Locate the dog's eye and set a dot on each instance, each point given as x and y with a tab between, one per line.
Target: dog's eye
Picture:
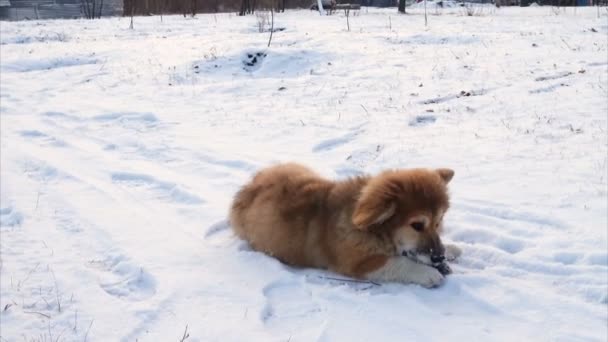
418	226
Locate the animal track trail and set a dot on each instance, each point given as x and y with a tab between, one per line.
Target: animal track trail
220	161
117	274
502	242
128	120
155	188
41	138
507	215
333	143
499	237
501	229
121	278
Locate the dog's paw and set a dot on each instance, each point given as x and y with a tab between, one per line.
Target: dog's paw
443	268
452	252
426	276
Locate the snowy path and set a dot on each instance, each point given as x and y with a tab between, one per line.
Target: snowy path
121	150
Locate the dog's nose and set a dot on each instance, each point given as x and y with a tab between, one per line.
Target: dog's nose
437	258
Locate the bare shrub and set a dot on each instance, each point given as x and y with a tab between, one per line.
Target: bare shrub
472	10
262	20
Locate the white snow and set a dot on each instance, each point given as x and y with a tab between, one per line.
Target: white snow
121	150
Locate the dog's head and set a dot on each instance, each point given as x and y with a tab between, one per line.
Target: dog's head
408	206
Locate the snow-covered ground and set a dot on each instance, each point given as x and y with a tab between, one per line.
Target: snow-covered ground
121	150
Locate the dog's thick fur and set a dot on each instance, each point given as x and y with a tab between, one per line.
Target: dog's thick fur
360	227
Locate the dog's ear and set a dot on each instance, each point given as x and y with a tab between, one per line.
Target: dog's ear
445	174
372	210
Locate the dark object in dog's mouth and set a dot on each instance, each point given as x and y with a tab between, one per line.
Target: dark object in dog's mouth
442	267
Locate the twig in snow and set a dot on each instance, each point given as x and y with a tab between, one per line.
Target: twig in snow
48	305
453	54
38	313
57	296
20	283
319	92
75	321
365	109
271	25
47	247
563	40
50	335
37	200
87	333
186	334
351	280
60	334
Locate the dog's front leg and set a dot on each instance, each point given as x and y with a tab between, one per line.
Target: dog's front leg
403	270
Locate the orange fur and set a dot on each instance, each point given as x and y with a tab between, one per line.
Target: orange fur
353	227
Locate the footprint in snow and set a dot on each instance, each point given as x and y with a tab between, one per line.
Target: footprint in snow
287	303
9	217
44	139
120	278
422	120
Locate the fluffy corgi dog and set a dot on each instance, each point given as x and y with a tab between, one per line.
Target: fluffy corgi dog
381	228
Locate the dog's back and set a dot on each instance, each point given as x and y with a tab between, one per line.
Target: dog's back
281	212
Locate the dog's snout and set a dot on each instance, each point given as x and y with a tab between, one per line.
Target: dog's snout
437	258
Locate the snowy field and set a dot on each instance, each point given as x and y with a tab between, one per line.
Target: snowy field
121	150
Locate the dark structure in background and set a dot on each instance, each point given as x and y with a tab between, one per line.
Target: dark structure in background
378	3
188	7
524	3
48	9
